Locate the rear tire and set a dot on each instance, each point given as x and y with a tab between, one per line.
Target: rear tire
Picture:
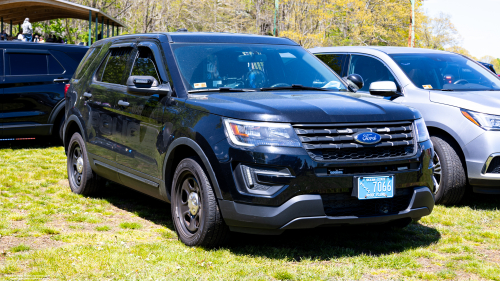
449	175
195	212
82	180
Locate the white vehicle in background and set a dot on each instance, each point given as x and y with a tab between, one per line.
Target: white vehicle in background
458	98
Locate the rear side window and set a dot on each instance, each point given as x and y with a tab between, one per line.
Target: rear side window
113	66
334	61
28	64
86	61
54	66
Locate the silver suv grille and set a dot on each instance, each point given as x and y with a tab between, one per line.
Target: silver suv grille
335	142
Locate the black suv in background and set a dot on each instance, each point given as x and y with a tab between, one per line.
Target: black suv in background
243	133
33	79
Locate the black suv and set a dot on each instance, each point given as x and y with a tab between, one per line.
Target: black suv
242	133
33	80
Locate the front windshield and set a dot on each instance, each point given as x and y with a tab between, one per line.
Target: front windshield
447	72
252	67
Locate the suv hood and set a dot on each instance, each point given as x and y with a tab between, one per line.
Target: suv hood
301	107
480	101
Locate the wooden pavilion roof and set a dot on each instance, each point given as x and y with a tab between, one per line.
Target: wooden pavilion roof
41	10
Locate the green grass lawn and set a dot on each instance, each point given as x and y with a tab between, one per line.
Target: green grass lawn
48	232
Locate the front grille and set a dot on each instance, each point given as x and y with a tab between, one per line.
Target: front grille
343	204
335	142
494	167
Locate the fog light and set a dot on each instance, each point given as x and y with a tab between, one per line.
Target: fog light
262	180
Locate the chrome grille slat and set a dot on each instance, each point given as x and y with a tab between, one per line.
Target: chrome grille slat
335	142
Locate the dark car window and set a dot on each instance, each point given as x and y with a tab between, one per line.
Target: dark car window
28	64
334	61
54	66
113	66
144	64
371	69
446	71
251	66
86	61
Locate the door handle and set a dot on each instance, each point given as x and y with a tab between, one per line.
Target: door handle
123	103
57	80
87	95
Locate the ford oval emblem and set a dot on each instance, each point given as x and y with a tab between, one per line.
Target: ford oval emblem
367	138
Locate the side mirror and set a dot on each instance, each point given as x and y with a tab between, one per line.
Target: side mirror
146	86
355	81
383	88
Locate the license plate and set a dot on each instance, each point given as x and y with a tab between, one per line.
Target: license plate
375	187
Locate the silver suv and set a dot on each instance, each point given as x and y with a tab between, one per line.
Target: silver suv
458	98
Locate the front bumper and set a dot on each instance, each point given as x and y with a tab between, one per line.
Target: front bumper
307	211
477	153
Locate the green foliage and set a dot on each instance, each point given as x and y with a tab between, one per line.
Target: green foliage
19	248
130	225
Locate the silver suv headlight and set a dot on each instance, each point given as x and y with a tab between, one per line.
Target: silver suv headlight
245	133
421	130
485	121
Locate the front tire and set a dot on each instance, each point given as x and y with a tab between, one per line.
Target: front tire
82	180
195	212
449	173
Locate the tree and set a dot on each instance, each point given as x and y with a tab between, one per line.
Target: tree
438	33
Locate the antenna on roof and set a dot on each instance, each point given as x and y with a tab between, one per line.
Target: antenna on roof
182	30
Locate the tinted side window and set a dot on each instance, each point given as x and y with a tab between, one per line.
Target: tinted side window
113	67
334	61
144	64
86	61
54	66
371	69
28	64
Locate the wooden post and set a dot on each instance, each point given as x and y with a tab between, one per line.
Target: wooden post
90	28
2	26
113	29
107	36
102	27
11	28
96	26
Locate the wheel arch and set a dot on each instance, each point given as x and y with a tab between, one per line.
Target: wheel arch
56	114
71	126
179	149
439	132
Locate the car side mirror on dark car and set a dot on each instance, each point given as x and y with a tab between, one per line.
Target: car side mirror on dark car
355	81
146	86
383	88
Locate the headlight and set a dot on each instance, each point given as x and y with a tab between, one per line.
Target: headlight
249	134
421	130
485	121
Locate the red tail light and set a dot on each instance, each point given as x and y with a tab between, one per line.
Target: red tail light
66	87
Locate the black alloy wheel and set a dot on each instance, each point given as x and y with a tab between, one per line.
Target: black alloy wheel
189	204
82	180
76	165
195	212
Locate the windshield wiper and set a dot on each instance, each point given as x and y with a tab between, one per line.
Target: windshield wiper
221	89
447	90
294	87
